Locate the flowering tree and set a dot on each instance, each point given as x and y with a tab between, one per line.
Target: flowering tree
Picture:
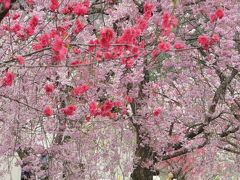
83	83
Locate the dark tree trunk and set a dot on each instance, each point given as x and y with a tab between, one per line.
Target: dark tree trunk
143	151
143	154
142	174
180	175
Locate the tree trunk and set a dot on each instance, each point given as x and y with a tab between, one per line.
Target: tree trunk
142	174
143	154
143	151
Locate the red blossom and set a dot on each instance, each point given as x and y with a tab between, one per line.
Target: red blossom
88	118
48	111
6	3
219	13
128	62
20	59
142	24
68	9
203	40
69	110
54	5
168	22
6	28
166	25
92	44
128	99
164	46
113	116
44	39
78	27
155	53
178	45
15	16
107	106
33	22
29	30
157	112
8	79
117	104
57	44
107	34
93	109
147	9
79	90
49	88
214	39
16	27
76	62
30	2
37	46
129	36
165	20
174	21
108	56
80	9
59	49
76	50
213	18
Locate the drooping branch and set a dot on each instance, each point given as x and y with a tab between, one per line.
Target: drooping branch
229	131
20	102
178	147
229	150
182	151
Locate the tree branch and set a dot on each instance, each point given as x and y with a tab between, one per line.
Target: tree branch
5	11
